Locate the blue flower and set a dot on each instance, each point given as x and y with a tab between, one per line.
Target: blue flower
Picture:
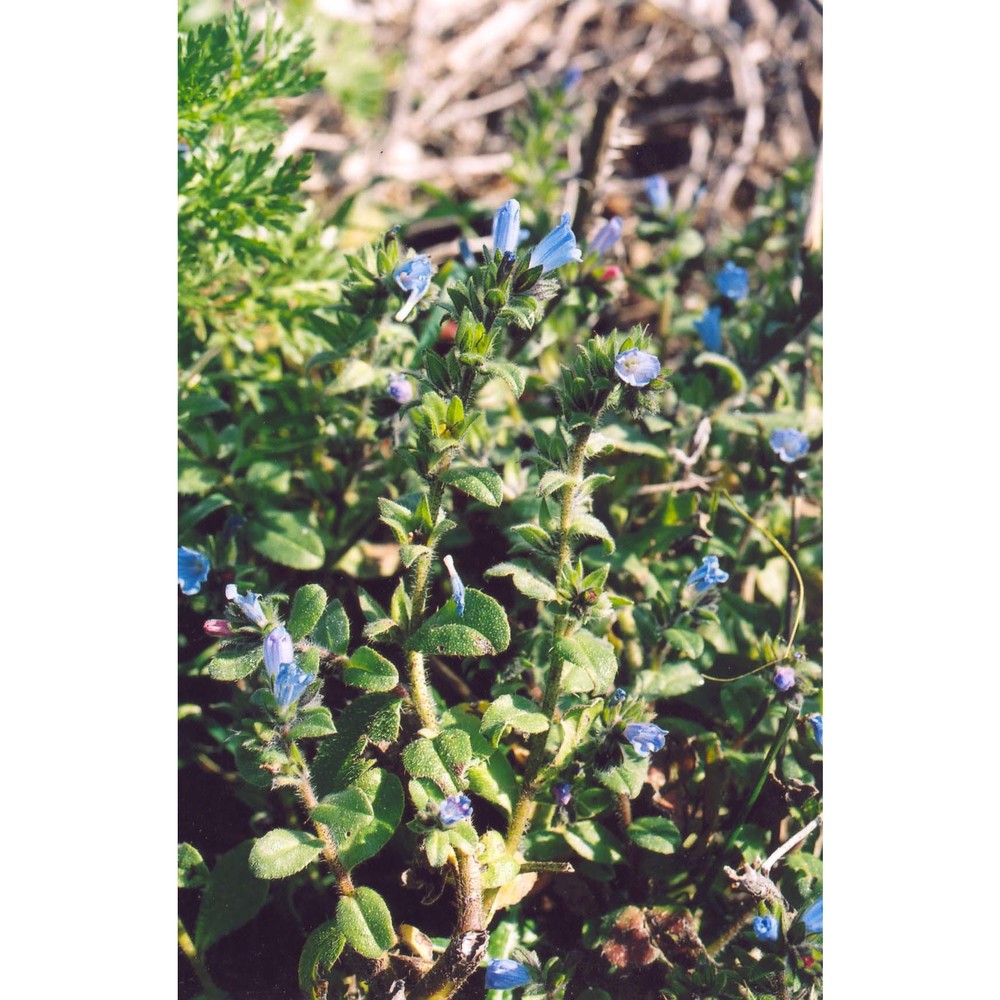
766	928
249	605
558	248
733	281
465	252
607	236
789	444
709	328
816	721
506	974
192	570
507	226
707	575
457	587
290	684
812	918
784	678
658	192
570	78
618	697
278	649
413	276
562	793
637	367
401	389
645	737
454	809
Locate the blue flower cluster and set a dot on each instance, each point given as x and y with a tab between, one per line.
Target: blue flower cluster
645	737
414	277
192	570
454	809
636	367
789	444
506	974
707	575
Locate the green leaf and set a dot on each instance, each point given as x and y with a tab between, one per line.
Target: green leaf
450	640
595	659
593	842
234	664
525	579
552	481
355	374
233	897
510	373
686	641
443	759
313	722
280	853
339	762
670	680
478	482
192	872
366	923
438	848
591	527
626	778
307	609
485	615
371	671
385	792
286	539
333	631
512	711
344	813
321	950
655	833
201	510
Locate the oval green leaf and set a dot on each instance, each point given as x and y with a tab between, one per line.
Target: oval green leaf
280	853
365	921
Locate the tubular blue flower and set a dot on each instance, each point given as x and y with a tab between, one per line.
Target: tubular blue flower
607	236
707	575
457	587
766	928
506	974
278	649
465	252
784	678
645	737
620	694
454	809
400	389
816	721
570	78
637	367
658	192
709	328
789	444
413	276
562	793
733	281
249	605
290	684
507	226
558	248
192	570
812	918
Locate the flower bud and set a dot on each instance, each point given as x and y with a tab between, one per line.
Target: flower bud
454	809
784	678
278	649
218	627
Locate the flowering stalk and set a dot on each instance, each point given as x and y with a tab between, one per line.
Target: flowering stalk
529	788
211	991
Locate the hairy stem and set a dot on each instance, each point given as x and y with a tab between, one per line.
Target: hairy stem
308	798
521	816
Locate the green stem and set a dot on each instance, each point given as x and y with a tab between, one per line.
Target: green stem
307	796
212	992
521	816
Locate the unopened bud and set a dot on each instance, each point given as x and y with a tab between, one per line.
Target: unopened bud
218	627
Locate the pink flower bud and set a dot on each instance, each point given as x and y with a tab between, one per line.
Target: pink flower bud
217	626
608	273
